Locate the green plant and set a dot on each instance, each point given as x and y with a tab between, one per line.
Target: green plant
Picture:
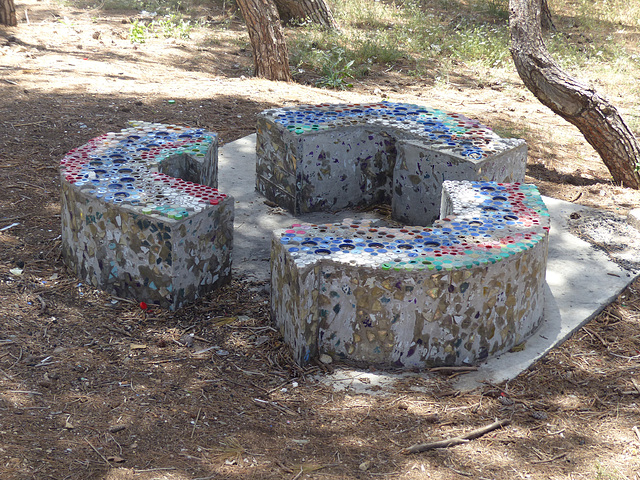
138	32
173	26
335	69
169	26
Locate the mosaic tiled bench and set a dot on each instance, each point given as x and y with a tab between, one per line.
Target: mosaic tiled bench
142	217
467	288
328	157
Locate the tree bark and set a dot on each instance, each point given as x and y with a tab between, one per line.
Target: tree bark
317	11
8	13
270	54
596	118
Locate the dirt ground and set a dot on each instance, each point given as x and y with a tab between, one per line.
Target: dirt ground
93	387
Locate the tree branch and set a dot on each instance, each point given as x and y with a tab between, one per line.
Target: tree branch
451	442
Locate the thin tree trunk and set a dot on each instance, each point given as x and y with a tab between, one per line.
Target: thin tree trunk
579	104
317	11
8	13
545	18
270	54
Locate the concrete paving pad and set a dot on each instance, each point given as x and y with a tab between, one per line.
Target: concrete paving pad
581	280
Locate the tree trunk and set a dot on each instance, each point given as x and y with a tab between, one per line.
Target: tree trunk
270	54
579	104
8	13
316	11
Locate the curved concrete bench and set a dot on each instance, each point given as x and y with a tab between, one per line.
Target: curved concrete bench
329	157
141	215
469	287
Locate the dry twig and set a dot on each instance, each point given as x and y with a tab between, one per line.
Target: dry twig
595	334
96	450
195	424
450	442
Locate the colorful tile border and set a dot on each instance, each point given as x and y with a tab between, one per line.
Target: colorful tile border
470	286
142	217
467	137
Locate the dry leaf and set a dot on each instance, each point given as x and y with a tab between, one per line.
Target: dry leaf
308	467
220	321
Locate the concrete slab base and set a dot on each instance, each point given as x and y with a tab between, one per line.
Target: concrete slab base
581	280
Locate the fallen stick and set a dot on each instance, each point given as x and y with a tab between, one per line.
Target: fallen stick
96	450
451	442
28	124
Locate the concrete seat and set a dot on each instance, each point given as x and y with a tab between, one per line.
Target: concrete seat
469	287
330	157
142	217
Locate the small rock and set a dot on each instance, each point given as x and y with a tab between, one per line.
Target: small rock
303	441
326	359
539	415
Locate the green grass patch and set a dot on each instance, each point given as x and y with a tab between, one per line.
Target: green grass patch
438	36
427	34
168	26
